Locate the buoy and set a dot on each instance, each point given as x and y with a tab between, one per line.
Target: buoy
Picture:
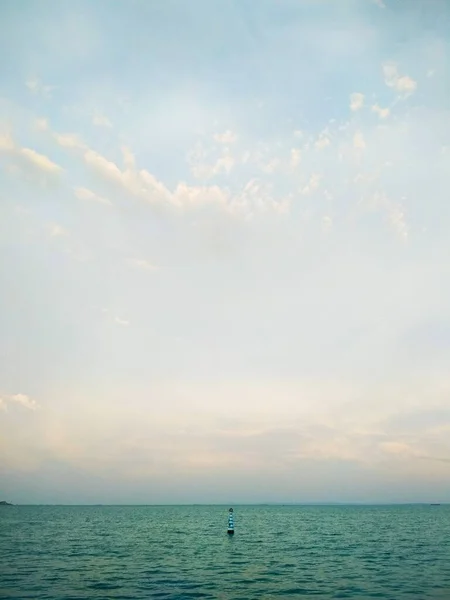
230	530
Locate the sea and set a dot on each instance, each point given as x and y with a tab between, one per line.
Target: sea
183	552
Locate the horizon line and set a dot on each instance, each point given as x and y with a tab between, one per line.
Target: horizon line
348	503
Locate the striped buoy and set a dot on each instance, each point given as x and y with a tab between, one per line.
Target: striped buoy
230	522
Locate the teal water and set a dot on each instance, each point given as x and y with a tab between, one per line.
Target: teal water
137	552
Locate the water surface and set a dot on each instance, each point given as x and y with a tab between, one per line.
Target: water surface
182	552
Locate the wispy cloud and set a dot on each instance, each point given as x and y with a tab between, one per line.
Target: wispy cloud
228	137
37	87
122	322
69	140
358	140
39	160
84	194
100	120
27	155
143	264
41	124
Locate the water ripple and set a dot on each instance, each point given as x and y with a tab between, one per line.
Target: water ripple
136	553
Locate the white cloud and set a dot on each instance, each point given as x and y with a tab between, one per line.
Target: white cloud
37	87
122	322
39	160
228	137
312	185
379	3
323	141
143	264
272	166
21	399
398	221
41	124
396	448
356	101
25	401
142	184
204	166
129	160
189	197
104	166
56	230
404	84
69	140
83	193
296	157
327	224
394	212
383	113
6	143
42	162
101	121
358	140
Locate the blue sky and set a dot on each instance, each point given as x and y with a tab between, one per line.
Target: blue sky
224	253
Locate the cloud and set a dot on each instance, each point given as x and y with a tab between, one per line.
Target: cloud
383	113
358	140
396	448
205	166
323	141
356	101
69	140
398	221
434	458
272	166
27	157
143	264
404	84
313	184
42	124
39	160
296	157
6	143
105	167
395	214
37	87
228	137
56	230
142	184
101	121
122	322
21	399
327	224
83	193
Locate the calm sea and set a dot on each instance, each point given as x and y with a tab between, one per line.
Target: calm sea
182	552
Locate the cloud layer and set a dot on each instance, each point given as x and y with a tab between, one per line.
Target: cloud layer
223	257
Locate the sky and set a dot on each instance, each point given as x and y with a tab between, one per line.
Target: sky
224	251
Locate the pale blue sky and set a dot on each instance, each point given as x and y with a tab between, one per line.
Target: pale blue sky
224	251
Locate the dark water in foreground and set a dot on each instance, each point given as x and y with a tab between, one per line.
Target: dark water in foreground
62	553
